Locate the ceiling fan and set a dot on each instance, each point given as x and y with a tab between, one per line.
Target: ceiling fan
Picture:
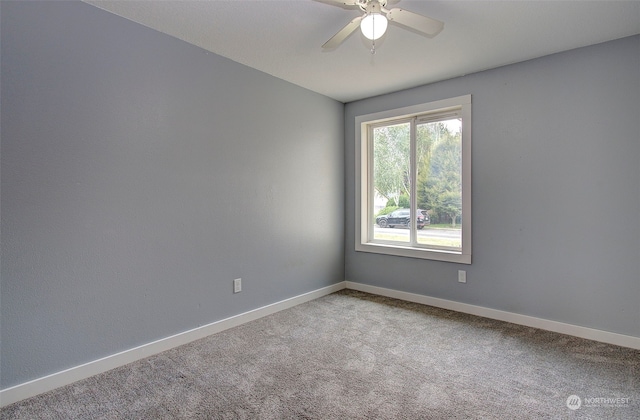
373	23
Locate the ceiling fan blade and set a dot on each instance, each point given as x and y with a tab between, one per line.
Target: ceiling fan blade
423	24
341	3
346	2
343	33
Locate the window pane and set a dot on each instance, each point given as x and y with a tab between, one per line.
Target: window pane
423	150
439	182
391	182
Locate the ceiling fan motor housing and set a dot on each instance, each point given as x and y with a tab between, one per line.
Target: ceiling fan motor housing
372	6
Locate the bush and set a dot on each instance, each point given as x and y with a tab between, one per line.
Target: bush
403	202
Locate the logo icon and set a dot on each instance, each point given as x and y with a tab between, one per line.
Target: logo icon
574	402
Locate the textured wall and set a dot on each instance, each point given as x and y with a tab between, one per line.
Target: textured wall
556	190
140	176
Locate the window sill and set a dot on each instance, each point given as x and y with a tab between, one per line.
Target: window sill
411	252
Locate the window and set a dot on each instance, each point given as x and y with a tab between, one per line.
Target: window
413	181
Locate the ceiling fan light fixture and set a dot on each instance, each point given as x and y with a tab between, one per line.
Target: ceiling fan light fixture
373	23
373	26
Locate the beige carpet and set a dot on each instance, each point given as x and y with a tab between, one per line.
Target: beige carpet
351	355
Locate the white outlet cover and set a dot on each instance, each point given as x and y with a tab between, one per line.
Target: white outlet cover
462	276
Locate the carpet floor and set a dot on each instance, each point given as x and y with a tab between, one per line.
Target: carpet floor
352	355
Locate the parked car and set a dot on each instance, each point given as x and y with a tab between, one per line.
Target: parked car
401	217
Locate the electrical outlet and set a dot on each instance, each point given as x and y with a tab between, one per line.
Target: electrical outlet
462	276
237	286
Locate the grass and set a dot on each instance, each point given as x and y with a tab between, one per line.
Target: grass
403	239
443	226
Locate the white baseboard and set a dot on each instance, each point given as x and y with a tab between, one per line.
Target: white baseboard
529	321
68	376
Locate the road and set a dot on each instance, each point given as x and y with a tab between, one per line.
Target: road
424	233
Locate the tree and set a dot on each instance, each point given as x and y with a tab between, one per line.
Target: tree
440	176
439	163
391	161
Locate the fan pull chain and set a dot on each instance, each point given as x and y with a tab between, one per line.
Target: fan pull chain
373	41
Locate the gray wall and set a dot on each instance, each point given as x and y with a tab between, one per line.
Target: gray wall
140	176
556	190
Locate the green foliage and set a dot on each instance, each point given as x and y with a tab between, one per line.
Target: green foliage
439	165
402	202
391	161
440	180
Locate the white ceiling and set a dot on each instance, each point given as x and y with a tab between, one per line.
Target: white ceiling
284	37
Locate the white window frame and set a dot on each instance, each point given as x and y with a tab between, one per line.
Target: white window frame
364	189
